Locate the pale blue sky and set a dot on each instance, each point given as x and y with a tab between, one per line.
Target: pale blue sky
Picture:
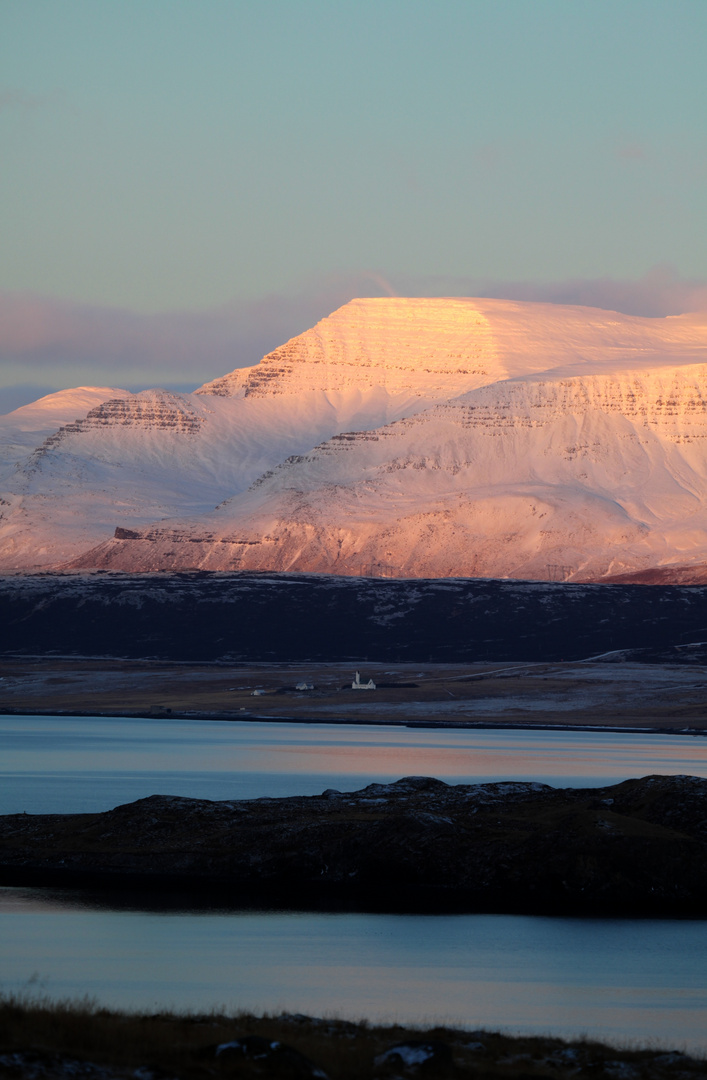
162	155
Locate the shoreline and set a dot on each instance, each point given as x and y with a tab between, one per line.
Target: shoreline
254	718
636	848
69	1038
591	695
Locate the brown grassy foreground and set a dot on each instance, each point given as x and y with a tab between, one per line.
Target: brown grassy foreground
41	1039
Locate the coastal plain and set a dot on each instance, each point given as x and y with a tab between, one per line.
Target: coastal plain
600	693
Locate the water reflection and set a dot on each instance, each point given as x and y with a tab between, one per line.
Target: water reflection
59	764
612	978
617	979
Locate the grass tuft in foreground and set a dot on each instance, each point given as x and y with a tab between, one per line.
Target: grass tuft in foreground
78	1040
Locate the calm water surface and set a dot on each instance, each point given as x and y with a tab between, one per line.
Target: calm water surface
616	979
62	764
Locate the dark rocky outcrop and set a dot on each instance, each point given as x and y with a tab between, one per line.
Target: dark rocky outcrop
639	847
270	1057
414	1057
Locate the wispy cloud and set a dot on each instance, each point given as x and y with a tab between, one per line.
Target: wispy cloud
44	339
661	291
631	151
42	335
19	100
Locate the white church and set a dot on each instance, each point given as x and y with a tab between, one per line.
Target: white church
358	685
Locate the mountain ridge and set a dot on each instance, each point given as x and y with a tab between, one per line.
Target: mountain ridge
420	437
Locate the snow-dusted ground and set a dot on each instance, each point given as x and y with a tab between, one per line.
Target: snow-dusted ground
246	617
398	437
616	695
602	689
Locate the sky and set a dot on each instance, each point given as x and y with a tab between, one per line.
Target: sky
187	183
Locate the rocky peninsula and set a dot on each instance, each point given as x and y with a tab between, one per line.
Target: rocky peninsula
634	848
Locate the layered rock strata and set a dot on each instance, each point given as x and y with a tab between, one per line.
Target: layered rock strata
418	437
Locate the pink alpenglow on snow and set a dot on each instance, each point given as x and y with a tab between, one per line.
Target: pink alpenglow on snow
397	437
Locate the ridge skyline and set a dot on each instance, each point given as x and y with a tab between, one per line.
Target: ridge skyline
422	387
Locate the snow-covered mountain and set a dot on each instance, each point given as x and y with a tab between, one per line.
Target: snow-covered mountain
415	437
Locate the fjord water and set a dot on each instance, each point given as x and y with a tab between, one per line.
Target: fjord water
87	764
615	979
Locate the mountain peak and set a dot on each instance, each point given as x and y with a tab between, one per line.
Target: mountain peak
430	347
439	347
399	436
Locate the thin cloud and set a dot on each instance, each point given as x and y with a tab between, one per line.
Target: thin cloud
661	291
11	98
631	151
488	157
41	335
382	283
46	340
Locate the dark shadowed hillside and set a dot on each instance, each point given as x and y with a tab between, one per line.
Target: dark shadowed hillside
279	617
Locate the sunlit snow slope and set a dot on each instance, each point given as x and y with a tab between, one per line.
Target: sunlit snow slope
432	437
